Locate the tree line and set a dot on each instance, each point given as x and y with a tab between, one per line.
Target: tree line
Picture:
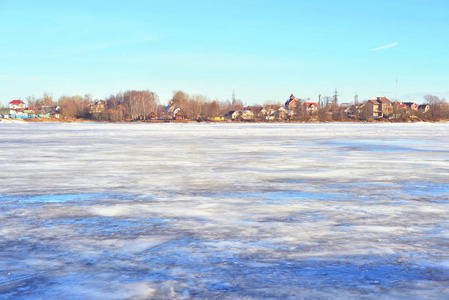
135	104
141	104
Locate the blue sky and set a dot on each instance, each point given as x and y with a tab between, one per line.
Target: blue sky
264	50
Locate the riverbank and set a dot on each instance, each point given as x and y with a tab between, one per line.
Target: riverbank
80	120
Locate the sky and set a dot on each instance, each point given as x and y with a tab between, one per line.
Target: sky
262	50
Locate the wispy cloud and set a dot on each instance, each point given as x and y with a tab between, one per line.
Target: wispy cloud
384	47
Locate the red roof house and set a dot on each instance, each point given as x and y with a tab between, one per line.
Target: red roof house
311	107
292	102
16	104
411	105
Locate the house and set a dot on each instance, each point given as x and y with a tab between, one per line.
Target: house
397	105
179	116
381	107
423	108
17	104
244	114
385	106
407	107
229	115
311	107
373	109
97	107
357	111
283	114
292	103
269	110
169	108
410	105
235	115
152	116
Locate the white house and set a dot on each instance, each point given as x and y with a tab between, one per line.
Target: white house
16	104
243	114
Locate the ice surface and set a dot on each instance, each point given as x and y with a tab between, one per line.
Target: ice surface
186	211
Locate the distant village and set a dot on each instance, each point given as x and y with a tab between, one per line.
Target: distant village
143	106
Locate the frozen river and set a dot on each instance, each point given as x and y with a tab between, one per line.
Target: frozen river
224	211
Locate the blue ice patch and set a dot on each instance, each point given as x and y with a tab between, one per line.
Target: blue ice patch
59	198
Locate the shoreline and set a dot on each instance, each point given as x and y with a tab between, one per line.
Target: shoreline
55	120
223	122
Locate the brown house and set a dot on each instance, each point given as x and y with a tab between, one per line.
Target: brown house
292	102
379	108
180	116
152	116
385	106
97	107
373	109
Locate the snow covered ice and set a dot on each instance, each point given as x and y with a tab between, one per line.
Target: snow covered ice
224	211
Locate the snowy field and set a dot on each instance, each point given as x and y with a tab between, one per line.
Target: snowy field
224	211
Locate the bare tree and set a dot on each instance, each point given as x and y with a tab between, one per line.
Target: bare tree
434	107
32	101
140	103
68	107
180	99
212	109
73	107
444	109
47	99
326	101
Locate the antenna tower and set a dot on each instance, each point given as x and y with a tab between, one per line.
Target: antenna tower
396	88
335	96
